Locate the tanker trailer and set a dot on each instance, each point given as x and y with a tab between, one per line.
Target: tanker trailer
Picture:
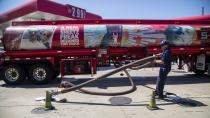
97	36
42	50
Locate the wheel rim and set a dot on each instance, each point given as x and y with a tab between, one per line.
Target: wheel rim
12	74
39	74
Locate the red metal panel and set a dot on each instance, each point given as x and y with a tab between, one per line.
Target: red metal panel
118	51
180	50
45	6
56	44
37	59
205	17
65	10
91	60
46	53
18	12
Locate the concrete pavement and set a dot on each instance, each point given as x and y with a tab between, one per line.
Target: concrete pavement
19	101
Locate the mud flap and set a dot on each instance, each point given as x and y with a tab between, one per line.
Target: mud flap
208	68
200	63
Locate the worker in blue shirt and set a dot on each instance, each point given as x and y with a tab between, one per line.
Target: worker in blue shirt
165	68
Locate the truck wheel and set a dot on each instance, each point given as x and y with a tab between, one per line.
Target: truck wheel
40	73
199	72
13	74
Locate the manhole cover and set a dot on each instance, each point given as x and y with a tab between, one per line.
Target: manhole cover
40	110
120	100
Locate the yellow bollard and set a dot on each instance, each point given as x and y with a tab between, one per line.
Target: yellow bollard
48	104
152	105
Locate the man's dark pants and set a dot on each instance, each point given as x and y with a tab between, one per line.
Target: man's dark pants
161	81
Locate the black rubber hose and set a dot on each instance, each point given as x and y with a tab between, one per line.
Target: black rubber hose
75	87
138	67
133	88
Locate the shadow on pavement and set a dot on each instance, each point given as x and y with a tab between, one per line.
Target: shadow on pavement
119	81
107	104
184	102
28	84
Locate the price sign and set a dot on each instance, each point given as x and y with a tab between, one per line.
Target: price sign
76	12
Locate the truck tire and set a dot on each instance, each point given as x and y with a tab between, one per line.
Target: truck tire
40	73
13	74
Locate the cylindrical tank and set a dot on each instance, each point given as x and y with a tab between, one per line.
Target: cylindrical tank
99	36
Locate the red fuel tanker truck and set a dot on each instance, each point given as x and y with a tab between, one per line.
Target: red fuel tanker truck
41	50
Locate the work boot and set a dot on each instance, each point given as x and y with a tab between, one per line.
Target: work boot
161	97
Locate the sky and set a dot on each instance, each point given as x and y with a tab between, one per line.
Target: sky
130	9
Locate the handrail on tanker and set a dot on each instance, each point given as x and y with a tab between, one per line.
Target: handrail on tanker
111	21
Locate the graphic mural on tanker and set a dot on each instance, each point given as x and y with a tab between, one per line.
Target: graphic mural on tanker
137	35
102	36
32	37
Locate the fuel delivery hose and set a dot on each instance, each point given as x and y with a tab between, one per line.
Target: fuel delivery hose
143	62
138	66
132	89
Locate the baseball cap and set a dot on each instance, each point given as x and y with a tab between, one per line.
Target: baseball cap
164	42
